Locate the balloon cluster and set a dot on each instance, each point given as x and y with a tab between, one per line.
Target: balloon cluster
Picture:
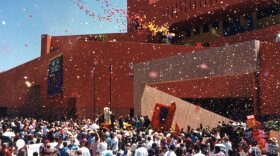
109	14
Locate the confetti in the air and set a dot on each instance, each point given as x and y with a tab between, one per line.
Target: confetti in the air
153	74
203	66
266	73
28	84
110	13
3	22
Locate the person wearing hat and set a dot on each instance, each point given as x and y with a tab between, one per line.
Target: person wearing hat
141	150
171	150
273	147
22	151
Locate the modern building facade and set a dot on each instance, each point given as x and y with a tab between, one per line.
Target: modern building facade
80	75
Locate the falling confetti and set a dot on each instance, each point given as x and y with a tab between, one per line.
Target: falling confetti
203	66
139	24
3	22
110	14
28	84
266	73
153	74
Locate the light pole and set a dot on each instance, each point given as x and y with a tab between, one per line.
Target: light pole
110	85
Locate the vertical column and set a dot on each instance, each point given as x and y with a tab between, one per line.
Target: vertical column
45	44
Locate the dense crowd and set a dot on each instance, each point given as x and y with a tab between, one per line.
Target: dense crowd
128	136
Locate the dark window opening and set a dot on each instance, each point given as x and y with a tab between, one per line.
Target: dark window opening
196	30
266	12
232	27
215	25
55	77
205	28
249	22
226	28
188	32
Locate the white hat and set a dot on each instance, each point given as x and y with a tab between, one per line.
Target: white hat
20	143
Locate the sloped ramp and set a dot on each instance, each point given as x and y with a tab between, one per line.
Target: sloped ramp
186	113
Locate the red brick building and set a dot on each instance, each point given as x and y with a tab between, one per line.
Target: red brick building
84	73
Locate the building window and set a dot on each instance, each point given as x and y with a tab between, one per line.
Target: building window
215	25
232	27
249	22
271	11
205	28
55	77
188	32
200	3
262	13
226	27
196	30
190	4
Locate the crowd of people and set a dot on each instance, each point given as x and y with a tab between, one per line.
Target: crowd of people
129	136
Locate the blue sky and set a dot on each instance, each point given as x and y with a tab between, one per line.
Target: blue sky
23	21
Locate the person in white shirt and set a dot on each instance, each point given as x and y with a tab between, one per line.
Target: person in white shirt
102	146
141	150
149	143
170	152
84	150
227	144
115	143
197	151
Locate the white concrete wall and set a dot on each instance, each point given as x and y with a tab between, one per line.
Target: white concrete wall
185	114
